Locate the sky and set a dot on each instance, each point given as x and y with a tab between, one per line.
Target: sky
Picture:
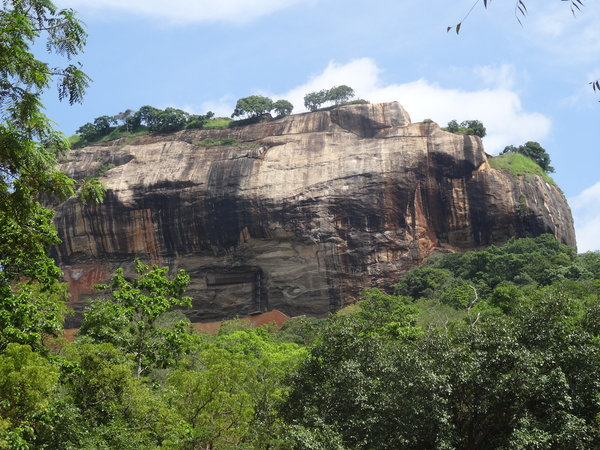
526	78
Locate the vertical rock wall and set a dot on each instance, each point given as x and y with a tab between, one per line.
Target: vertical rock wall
301	216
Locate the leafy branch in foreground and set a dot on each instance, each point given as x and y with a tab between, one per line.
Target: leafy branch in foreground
521	11
29	145
132	319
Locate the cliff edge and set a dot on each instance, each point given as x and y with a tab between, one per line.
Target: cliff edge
301	215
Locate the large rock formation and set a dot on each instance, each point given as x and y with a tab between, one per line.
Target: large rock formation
301	216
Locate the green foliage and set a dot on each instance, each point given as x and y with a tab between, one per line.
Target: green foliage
31	312
455	286
131	320
169	120
534	151
29	145
356	382
146	119
519	165
218	123
314	100
26	231
197	121
215	401
340	94
423	282
301	330
253	106
100	406
105	168
590	261
124	117
91	190
79	141
358	101
524	380
229	389
468	127
27	382
282	108
74	140
336	95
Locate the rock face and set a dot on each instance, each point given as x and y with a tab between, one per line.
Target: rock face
301	216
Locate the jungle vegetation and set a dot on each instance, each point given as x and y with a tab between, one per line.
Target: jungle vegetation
488	349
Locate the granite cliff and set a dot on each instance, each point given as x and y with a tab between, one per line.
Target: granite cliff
302	215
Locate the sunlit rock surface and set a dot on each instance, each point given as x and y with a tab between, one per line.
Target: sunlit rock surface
305	213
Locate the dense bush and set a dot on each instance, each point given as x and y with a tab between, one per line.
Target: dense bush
336	95
257	105
534	151
147	118
469	127
489	349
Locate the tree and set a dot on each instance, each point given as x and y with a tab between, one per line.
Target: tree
198	121
146	115
337	94
27	382
474	127
340	94
124	117
314	100
215	400
283	108
31	312
253	106
171	119
528	380
229	388
534	151
87	131
103	124
99	405
468	127
131	321
29	146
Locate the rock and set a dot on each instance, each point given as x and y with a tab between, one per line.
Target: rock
304	214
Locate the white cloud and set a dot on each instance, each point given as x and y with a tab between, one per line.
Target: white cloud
222	107
587	218
188	11
503	76
498	107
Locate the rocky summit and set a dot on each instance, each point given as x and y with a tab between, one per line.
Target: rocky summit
300	215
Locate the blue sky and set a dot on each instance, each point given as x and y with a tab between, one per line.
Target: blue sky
524	82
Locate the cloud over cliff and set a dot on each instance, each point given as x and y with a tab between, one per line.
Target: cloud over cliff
498	106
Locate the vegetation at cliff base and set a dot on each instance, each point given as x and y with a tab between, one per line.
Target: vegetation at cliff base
487	349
